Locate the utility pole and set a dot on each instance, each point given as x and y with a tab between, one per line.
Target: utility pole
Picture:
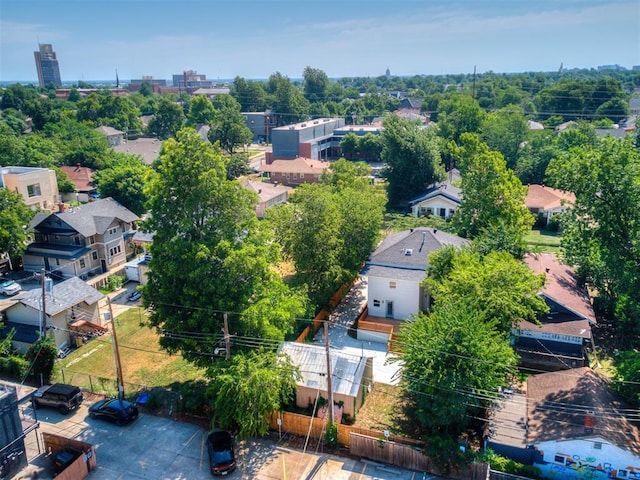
227	341
326	340
43	331
116	353
474	82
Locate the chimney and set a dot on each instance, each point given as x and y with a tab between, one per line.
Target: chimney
589	421
259	191
435	230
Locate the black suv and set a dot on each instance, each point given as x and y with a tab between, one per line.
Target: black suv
61	396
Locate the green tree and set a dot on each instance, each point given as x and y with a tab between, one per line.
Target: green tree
502	290
493	202
228	126
505	130
338	220
238	166
627	382
145	89
288	101
78	143
201	111
14	219
42	355
250	94
209	254
316	84
311	222
250	389
453	363
167	120
349	145
124	181
412	155
457	115
601	232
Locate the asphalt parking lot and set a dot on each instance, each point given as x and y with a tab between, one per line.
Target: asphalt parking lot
163	449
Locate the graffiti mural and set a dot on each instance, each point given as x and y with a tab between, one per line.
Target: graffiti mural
577	468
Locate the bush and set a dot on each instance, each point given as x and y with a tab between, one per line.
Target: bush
507	465
13	366
331	435
114	282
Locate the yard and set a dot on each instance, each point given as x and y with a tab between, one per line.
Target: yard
544	241
143	362
383	410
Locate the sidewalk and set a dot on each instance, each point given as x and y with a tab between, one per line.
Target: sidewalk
344	315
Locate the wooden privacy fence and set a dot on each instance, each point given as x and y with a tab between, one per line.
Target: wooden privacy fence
297	424
408	457
82	465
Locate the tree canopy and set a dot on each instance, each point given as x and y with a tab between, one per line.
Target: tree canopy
209	255
412	155
453	363
14	219
601	233
492	209
502	290
124	181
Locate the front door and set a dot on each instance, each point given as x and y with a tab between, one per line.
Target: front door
389	309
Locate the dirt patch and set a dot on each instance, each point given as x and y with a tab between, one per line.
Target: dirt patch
383	410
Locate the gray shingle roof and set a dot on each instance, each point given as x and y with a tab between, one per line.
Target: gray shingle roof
409	249
63	296
445	188
347	370
91	218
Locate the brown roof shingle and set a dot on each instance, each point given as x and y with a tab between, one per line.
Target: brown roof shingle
296	165
82	177
544	198
559	402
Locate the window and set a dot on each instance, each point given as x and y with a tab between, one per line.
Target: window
33	190
559	459
113	230
376	303
302	175
429	212
623	474
115	250
94	255
82	263
392	284
92	239
443	212
597	445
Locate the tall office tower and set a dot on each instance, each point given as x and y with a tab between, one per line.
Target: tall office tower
47	65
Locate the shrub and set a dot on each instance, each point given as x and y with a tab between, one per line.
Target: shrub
114	282
13	366
507	465
331	435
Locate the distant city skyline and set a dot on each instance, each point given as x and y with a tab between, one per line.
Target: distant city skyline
349	38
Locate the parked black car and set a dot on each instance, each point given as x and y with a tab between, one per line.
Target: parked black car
222	458
63	458
59	395
113	410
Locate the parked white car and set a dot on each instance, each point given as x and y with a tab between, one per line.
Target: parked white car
9	287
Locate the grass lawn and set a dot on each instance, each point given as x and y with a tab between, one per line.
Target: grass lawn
143	362
544	241
383	410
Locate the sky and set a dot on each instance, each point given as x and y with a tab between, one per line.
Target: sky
253	39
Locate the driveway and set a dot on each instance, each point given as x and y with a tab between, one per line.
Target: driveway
342	318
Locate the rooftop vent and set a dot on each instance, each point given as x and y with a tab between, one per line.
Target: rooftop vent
408	252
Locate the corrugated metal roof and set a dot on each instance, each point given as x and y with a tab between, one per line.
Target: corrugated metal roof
347	370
